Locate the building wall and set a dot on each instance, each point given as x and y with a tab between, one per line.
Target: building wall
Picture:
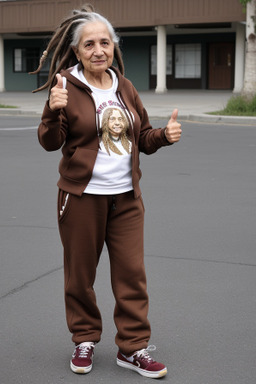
136	56
205	40
44	15
19	81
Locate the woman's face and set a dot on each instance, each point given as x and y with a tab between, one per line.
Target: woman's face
115	123
96	48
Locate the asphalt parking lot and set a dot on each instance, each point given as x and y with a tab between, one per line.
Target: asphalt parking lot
199	253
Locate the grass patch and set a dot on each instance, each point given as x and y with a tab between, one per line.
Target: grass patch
238	106
7	106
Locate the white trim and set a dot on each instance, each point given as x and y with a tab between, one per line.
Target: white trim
239	58
2	84
161	60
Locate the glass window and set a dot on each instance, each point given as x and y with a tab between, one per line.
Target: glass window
188	61
168	60
153	60
25	59
17	60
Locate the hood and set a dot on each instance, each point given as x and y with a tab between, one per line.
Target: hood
72	79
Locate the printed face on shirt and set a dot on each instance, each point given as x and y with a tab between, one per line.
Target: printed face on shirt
96	48
114	129
116	123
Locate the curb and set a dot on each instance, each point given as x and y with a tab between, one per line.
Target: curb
218	119
204	118
212	119
18	112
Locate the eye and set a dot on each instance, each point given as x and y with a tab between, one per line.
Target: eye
88	45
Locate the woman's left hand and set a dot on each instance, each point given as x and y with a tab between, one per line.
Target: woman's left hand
172	130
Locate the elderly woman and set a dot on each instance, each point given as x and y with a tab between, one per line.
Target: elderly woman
99	196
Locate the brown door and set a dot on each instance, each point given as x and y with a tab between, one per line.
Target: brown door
221	65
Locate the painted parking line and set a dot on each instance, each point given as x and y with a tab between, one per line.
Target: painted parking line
19	129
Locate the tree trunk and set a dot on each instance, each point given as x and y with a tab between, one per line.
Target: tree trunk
249	87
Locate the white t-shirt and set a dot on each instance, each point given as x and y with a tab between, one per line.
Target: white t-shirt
112	172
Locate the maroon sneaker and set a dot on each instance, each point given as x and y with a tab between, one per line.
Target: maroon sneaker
82	358
142	363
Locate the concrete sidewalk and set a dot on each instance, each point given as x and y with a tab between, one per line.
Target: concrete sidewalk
193	105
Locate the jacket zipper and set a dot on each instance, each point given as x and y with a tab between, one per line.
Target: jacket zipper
97	119
130	119
125	108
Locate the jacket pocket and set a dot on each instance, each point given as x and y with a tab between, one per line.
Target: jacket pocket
80	166
142	203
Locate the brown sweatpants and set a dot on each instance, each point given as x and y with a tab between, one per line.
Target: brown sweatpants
85	224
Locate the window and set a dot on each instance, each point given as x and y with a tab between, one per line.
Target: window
168	60
25	59
188	61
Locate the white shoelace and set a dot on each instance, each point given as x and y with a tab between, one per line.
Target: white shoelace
84	348
143	353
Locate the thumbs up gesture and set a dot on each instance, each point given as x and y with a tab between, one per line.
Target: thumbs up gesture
173	131
58	95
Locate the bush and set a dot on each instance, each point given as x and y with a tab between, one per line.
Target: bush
239	106
7	106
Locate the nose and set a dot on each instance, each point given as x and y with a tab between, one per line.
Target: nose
98	50
115	121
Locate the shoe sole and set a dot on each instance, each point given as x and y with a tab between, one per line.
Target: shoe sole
82	370
142	372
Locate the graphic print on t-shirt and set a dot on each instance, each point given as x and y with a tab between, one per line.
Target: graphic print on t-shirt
114	127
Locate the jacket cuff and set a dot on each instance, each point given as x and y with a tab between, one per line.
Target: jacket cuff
50	117
166	142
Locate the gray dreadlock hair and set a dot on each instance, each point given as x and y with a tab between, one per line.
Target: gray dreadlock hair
66	37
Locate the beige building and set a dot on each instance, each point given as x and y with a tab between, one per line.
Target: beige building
166	44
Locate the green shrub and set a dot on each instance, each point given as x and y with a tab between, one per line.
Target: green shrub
239	106
7	106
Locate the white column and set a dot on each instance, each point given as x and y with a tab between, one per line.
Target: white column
161	60
2	88
239	58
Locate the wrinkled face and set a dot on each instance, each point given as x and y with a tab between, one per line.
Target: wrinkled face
96	48
116	123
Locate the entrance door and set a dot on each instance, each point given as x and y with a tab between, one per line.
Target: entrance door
221	65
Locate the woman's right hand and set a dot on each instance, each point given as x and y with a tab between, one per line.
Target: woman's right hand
59	95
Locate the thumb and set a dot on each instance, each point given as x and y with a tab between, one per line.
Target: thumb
59	81
174	115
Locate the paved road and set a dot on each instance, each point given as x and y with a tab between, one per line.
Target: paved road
199	252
